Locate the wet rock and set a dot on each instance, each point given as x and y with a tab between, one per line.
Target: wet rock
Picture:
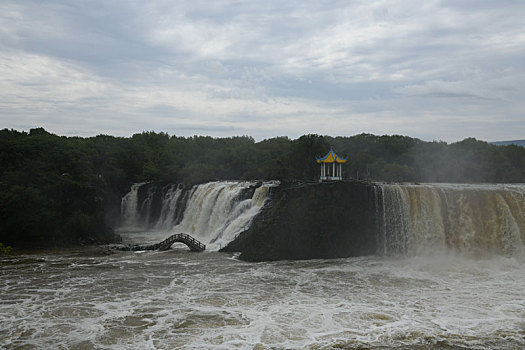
307	221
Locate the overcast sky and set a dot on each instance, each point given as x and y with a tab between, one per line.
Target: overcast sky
435	70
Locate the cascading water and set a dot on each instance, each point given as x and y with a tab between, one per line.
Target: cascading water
474	220
129	207
214	212
170	207
145	207
82	299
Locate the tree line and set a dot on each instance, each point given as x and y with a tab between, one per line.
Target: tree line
57	190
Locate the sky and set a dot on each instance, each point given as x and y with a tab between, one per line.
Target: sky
435	70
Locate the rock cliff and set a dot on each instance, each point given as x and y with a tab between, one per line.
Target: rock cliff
321	220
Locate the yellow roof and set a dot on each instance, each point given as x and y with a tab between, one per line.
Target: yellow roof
331	157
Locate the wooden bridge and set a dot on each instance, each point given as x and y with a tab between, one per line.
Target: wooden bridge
191	242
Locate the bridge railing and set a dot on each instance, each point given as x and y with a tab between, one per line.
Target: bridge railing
185	238
191	242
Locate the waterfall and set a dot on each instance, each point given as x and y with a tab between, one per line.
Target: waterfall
129	207
412	219
213	212
473	220
145	208
170	207
216	212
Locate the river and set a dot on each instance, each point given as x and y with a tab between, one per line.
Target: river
449	274
176	299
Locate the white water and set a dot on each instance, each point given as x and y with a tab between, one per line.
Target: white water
474	220
434	294
129	207
182	300
214	214
169	207
146	204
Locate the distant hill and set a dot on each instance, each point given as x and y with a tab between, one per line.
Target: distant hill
505	143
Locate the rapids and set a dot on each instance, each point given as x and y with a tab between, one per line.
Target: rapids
182	300
449	274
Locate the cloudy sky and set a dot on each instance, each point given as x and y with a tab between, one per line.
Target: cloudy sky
436	70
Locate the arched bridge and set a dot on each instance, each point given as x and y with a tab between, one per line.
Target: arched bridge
191	242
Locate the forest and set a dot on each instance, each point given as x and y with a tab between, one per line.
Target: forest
57	190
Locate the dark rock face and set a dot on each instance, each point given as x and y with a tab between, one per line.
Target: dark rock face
325	220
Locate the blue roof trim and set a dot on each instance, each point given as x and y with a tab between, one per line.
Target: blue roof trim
326	156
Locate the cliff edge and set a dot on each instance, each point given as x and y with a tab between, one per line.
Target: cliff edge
321	220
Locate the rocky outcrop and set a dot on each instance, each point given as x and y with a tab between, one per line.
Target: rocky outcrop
321	220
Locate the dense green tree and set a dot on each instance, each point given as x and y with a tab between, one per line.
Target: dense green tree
302	156
66	190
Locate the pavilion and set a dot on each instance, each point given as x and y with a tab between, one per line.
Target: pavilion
331	166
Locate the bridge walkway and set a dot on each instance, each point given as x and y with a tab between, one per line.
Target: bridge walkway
191	242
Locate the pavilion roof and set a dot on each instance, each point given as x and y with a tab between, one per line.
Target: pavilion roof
331	157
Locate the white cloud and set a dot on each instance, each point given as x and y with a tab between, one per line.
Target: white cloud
264	68
33	82
45	87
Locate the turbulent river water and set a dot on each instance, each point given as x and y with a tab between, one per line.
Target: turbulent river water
427	298
182	300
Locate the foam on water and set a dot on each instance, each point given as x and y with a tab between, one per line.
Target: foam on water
214	213
422	297
176	299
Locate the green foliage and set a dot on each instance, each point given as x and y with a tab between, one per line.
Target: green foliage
5	250
302	156
58	190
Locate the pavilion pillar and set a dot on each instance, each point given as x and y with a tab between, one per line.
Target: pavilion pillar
333	172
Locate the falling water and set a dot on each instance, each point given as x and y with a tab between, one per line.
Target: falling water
213	212
87	299
217	211
145	207
474	220
129	206
170	207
